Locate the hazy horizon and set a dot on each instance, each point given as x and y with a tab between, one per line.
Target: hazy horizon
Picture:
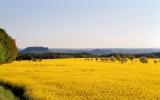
82	23
87	48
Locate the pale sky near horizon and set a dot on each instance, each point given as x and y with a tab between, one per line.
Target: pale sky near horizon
82	23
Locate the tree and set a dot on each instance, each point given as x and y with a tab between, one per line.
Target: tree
118	57
131	57
143	60
124	59
112	59
97	59
8	49
155	61
2	54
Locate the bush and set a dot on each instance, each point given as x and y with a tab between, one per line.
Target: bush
112	59
124	60
8	49
118	57
143	60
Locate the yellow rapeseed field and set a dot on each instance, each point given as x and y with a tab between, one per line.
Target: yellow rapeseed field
78	79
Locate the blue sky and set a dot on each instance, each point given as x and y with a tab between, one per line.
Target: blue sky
82	23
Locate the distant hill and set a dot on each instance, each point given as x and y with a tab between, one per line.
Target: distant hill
45	53
35	50
96	51
150	55
108	51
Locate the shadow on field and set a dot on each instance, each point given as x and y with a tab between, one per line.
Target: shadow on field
19	92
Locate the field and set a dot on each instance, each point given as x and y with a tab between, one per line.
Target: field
78	79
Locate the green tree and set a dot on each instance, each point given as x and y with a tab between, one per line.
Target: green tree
2	54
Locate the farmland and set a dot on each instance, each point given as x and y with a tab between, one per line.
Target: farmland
80	79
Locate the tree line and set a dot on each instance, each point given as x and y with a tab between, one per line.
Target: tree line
36	56
123	58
